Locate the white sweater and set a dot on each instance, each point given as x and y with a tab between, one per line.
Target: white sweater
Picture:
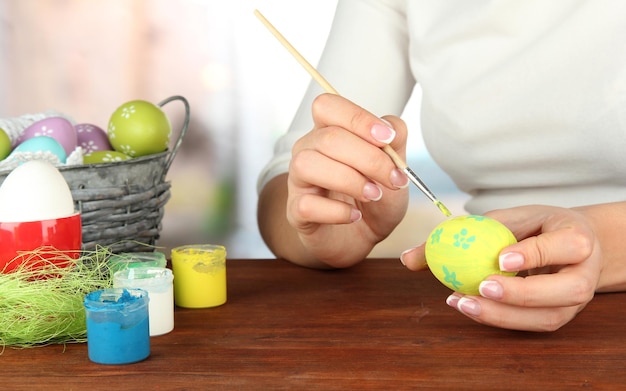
524	101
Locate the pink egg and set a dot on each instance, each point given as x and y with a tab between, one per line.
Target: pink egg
92	138
58	128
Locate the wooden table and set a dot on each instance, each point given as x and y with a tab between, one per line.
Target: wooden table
375	326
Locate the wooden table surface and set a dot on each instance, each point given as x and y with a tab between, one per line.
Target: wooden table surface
375	326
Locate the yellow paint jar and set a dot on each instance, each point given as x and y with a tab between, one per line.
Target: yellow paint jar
199	275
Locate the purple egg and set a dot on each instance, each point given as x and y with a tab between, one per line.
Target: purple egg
58	128
92	138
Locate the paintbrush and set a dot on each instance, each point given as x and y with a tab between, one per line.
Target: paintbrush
397	160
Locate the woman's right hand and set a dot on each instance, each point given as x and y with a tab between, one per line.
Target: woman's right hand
344	193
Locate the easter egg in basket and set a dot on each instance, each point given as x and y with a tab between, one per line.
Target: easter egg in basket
57	128
104	157
5	144
40	147
139	128
463	251
92	138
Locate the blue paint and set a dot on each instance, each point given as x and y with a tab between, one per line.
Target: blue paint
118	330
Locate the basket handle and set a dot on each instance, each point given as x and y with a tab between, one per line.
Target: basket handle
183	130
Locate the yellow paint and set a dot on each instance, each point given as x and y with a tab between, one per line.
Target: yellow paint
199	275
461	252
443	208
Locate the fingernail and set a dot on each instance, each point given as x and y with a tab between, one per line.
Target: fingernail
399	179
452	300
511	262
468	306
491	290
355	215
404	253
383	133
372	192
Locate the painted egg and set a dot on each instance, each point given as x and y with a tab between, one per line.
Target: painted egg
139	128
92	138
35	191
463	251
42	144
104	157
5	144
58	128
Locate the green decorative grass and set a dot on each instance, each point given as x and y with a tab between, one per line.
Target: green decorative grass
44	305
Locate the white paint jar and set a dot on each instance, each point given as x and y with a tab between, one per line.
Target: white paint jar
158	282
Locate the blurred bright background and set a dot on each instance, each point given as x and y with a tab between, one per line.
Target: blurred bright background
84	58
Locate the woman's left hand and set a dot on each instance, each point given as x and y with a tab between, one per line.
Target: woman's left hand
559	249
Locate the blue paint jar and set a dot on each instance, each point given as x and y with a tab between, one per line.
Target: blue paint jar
118	329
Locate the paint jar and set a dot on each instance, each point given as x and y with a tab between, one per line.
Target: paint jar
123	261
200	272
157	281
117	325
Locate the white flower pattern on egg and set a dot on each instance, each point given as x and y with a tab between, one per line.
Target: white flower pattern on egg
86	129
110	158
44	131
111	130
127	111
127	149
90	146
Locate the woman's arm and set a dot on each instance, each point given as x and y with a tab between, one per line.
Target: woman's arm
608	222
307	213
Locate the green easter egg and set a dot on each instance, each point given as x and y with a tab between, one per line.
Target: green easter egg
139	128
463	251
5	144
104	157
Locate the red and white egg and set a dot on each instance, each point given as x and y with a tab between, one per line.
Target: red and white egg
37	211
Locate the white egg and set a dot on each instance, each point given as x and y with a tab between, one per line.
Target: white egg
34	191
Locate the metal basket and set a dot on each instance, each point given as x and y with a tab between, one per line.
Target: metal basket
122	203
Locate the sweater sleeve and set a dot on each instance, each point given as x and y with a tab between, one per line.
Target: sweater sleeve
366	59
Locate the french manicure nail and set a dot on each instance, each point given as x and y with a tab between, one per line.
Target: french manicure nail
452	300
404	253
399	179
401	258
511	262
383	133
355	215
468	306
491	290
372	192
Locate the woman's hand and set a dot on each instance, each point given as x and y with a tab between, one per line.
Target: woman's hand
344	193
568	254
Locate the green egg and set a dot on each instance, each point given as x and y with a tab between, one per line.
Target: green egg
98	157
463	251
5	144
139	128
